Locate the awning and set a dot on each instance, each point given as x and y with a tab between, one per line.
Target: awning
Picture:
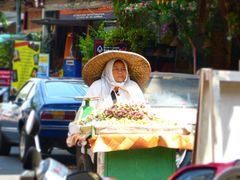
51	21
78	17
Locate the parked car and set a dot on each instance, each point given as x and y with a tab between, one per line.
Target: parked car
4	93
173	97
55	105
210	171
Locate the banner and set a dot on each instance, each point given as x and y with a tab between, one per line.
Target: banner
87	14
25	62
43	65
5	77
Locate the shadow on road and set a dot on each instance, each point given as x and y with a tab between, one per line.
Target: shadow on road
11	165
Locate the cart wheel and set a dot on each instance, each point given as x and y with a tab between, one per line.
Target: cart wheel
83	161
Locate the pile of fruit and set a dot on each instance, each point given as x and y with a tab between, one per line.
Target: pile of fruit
123	114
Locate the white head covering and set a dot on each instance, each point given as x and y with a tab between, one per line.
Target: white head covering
139	68
107	76
129	90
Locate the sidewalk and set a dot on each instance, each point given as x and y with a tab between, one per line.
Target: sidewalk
7	177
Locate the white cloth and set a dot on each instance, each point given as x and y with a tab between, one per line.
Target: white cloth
129	91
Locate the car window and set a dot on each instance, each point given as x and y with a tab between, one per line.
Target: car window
32	91
172	91
23	93
197	174
65	89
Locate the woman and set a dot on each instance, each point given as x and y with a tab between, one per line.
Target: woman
116	76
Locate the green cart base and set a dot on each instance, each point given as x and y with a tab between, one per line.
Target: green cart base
140	164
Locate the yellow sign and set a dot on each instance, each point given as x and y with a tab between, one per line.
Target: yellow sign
43	65
43	59
25	62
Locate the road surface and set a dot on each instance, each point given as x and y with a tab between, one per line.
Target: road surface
11	167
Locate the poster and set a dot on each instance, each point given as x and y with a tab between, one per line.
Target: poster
25	63
99	46
5	77
43	65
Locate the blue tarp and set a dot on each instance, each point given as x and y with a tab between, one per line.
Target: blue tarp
4	37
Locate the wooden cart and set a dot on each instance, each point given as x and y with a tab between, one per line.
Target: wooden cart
131	156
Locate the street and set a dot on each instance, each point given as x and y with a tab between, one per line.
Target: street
146	89
11	166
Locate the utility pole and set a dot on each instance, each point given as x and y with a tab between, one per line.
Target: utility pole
18	15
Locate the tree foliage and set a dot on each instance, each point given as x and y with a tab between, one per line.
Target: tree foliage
3	20
143	23
6	53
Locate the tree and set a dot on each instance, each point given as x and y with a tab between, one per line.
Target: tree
6	52
3	20
5	45
165	18
222	19
205	27
134	23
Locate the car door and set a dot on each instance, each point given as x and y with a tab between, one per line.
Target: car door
13	112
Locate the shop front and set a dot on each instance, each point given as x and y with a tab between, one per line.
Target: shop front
61	36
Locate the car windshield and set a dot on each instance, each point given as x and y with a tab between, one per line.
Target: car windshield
65	88
173	91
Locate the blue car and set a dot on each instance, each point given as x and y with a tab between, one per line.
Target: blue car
55	104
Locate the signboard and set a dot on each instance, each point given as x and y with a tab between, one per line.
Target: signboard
5	77
25	62
43	65
99	47
87	14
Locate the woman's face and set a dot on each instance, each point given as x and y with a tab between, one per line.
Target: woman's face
119	71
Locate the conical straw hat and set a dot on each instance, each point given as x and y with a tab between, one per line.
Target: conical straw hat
139	68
